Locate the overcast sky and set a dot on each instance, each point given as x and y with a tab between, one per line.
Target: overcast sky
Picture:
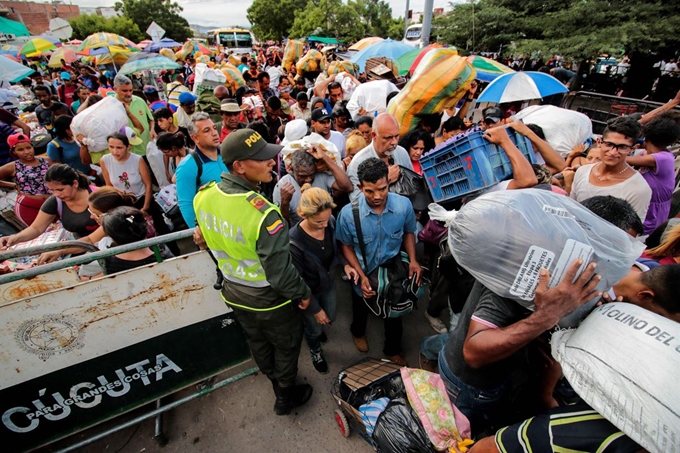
222	13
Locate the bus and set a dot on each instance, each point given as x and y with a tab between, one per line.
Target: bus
236	40
413	35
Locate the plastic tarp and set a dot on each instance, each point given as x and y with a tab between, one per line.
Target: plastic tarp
322	40
11	26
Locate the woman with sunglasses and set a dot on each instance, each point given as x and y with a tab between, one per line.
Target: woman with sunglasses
612	175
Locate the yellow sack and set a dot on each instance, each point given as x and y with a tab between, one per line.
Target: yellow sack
234	77
313	61
291	53
234	60
336	67
168	54
440	81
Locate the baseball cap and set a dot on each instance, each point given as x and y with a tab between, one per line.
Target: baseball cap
132	136
320	115
149	89
187	98
14	139
247	144
493	114
65	76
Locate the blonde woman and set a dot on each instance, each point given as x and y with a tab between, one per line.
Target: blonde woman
355	142
315	255
668	252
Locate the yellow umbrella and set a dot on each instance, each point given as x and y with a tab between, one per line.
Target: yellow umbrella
65	53
36	46
362	44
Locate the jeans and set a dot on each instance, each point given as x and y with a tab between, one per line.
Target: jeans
479	406
432	346
313	330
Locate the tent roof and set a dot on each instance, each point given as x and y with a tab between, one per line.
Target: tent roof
13	27
323	40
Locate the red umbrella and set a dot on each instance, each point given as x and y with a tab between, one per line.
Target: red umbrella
11	57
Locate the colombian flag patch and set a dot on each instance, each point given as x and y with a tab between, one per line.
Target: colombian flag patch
275	227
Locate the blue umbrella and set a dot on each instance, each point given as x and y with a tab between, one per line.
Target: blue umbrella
387	48
521	86
11	71
162	44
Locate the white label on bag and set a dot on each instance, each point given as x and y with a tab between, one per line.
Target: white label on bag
560	212
572	251
526	280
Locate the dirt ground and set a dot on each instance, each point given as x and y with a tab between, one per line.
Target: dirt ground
240	416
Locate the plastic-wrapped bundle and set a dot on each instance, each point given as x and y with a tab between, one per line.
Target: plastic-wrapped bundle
336	67
233	75
441	79
504	239
292	53
98	122
563	128
313	61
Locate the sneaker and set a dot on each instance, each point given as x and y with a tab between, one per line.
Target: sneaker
323	338
436	324
427	364
361	343
398	359
319	362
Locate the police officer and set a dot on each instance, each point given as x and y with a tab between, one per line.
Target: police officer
249	239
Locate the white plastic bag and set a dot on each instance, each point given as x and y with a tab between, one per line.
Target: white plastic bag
204	75
623	361
504	239
563	128
155	157
312	139
370	96
98	122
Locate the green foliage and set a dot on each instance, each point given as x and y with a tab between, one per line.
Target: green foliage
329	18
272	19
573	28
396	29
164	12
87	24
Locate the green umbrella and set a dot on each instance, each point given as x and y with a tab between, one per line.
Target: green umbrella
147	61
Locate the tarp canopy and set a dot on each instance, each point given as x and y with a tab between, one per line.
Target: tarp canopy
323	40
13	27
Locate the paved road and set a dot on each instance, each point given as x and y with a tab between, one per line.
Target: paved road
240	417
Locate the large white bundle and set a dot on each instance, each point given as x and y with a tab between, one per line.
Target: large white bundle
98	122
504	239
206	76
623	361
563	128
370	96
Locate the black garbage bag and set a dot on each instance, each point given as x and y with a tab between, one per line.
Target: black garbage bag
394	388
398	430
409	183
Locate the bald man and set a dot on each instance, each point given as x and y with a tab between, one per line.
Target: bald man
221	92
384	146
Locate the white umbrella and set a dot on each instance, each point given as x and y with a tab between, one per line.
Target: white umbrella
60	28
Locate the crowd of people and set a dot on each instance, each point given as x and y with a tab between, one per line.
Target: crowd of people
284	221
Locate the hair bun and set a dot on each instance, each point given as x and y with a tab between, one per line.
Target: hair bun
305	187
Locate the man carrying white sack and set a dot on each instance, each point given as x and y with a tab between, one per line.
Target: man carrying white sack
483	352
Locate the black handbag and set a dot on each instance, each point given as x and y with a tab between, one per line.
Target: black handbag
396	294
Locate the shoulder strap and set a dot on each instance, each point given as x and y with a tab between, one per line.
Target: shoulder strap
199	167
60	206
360	236
59	150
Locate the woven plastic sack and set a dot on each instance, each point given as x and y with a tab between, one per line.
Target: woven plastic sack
563	128
234	60
336	67
313	61
440	81
292	53
168	54
623	361
98	122
505	238
444	424
233	75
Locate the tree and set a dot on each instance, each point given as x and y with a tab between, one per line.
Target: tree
87	24
375	15
329	18
272	19
164	12
396	29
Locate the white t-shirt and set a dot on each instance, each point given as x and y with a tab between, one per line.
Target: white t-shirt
339	141
125	176
634	190
322	180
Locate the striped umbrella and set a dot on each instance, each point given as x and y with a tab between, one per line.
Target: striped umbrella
97	40
63	53
521	86
11	57
145	61
487	69
36	45
363	43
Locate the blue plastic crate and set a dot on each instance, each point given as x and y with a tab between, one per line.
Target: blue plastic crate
469	164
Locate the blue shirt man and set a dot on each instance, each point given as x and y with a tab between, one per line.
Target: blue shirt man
388	223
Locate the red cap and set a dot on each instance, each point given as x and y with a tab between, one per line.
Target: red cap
14	139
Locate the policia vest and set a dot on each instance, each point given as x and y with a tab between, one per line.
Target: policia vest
231	225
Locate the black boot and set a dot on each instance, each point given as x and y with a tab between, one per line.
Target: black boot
291	397
275	386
